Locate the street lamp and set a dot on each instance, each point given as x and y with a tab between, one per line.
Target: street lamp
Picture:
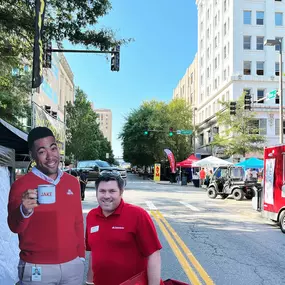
278	42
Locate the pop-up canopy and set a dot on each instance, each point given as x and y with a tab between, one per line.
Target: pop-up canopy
251	163
187	162
211	161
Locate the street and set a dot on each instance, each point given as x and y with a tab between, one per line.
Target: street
216	241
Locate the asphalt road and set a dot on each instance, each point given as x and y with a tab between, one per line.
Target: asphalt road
223	242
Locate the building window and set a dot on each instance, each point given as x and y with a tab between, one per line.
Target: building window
260	95
259	18
277	68
216	21
246	42
208	72
216	41
225	5
277	47
225	51
260	67
208	52
247	67
216	83
191	78
278	19
201	44
259	43
225	74
225	29
208	33
247	17
216	63
201	26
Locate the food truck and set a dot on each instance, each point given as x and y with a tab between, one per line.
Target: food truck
274	185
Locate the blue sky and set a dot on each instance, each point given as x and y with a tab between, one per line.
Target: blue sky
165	34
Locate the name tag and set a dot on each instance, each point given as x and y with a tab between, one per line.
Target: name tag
36	273
94	229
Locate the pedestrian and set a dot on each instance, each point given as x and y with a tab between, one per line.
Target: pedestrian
254	175
121	237
51	236
248	175
83	182
202	176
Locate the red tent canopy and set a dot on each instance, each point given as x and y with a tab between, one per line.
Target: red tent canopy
187	162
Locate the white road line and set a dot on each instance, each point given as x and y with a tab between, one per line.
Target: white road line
193	208
150	205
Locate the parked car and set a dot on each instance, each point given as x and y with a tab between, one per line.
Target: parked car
92	168
231	181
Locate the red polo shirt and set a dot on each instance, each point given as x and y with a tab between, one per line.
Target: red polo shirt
120	243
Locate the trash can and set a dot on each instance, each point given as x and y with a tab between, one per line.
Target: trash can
196	182
184	180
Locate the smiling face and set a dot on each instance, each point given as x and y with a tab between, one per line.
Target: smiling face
109	196
46	155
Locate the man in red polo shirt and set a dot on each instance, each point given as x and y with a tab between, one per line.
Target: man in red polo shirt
121	237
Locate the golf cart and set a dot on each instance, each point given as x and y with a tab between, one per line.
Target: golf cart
230	180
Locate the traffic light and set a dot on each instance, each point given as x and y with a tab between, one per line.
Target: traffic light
247	102
115	59
170	132
146	132
233	108
47	54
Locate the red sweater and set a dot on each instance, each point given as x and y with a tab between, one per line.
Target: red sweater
53	233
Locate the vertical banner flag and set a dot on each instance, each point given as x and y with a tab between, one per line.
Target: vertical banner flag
156	172
171	159
38	44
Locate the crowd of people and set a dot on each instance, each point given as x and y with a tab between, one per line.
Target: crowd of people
51	235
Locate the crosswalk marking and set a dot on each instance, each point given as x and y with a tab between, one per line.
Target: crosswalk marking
193	208
150	205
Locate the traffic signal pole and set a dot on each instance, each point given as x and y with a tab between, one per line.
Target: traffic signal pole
280	94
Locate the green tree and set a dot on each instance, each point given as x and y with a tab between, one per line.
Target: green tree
73	20
240	133
15	97
85	141
157	117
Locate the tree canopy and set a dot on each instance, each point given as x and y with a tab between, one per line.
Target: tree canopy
85	141
240	133
157	118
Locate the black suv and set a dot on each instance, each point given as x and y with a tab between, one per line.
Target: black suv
93	167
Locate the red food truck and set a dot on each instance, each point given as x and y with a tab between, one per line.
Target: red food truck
274	185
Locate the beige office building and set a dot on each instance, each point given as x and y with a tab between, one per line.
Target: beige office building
187	87
105	122
57	87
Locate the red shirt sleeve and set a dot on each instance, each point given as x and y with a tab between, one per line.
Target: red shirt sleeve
16	222
146	235
79	226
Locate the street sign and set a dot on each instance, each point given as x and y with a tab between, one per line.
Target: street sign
184	132
272	94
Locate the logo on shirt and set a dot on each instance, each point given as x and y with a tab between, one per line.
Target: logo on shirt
118	228
69	192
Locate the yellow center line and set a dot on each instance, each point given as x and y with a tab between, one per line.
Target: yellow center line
182	260
187	251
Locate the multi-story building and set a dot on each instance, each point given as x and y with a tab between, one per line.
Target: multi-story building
105	122
232	59
57	87
187	87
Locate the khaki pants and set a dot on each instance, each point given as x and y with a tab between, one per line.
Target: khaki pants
69	273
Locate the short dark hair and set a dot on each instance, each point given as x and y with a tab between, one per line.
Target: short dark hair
38	133
110	176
